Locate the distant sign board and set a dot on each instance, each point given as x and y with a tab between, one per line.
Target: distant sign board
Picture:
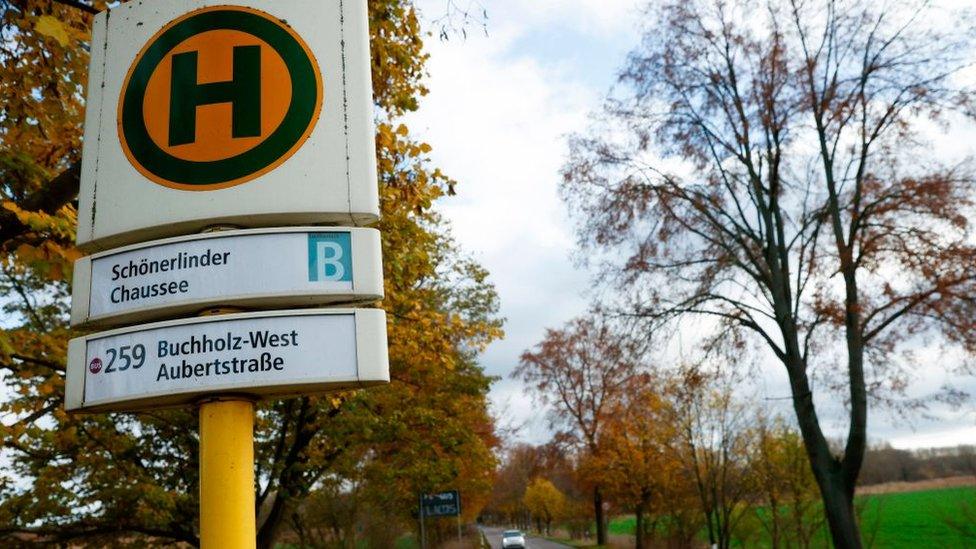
202	113
442	504
266	354
259	267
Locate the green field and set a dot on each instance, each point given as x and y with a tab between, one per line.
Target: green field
897	521
917	519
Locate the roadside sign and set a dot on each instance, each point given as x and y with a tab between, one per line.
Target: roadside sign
441	504
279	268
252	119
266	354
203	113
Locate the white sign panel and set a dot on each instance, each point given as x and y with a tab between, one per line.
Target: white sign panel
261	354
261	267
199	112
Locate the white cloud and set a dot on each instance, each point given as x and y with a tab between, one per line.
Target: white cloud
935	438
517	410
498	126
498	114
593	17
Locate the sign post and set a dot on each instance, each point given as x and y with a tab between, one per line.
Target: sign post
441	504
423	530
227	473
257	117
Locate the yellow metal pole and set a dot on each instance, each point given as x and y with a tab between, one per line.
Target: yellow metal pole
227	474
226	465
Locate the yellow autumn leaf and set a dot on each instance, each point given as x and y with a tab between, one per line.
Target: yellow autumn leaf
6	349
48	25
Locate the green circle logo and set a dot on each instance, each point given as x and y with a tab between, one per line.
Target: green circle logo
218	97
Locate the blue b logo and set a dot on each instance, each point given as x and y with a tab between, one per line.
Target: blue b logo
329	257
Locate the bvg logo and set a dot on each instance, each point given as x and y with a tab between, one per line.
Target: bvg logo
329	257
218	97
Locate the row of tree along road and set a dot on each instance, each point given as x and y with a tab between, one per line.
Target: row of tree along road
763	186
695	457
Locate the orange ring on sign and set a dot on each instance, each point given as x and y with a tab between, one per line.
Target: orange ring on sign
246	141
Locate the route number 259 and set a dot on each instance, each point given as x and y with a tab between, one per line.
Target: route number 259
129	356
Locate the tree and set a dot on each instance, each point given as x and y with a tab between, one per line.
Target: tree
790	514
545	502
581	370
765	166
886	464
523	463
712	442
132	478
635	462
519	466
42	78
329	514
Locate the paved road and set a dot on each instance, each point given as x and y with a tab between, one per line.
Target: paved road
495	538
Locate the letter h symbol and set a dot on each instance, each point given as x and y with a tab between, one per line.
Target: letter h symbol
243	92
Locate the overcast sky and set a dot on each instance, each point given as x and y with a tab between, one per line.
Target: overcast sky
499	111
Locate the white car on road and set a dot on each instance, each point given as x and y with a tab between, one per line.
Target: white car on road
512	539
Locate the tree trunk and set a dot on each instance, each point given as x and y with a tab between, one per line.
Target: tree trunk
268	529
839	508
291	484
601	526
774	518
639	527
835	477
